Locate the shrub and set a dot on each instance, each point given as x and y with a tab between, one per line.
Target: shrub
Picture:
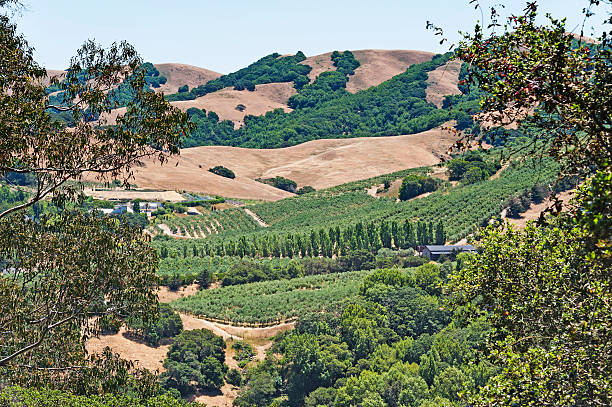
306	189
110	324
473	175
205	278
196	360
167	325
280	182
244	352
174	283
234	377
184	88
222	171
415	185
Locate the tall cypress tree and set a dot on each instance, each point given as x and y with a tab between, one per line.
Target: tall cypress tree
410	235
385	234
314	244
397	237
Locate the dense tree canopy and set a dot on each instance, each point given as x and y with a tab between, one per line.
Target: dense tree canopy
269	69
196	360
325	109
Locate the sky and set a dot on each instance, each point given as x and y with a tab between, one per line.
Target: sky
227	35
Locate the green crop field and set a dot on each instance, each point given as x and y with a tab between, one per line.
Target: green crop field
271	301
211	223
337	215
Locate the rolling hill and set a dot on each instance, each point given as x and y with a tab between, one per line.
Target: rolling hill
318	163
377	66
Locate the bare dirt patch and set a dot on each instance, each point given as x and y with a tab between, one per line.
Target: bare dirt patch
152	358
168	196
234	333
256	218
165	295
393	191
143	355
533	213
225	399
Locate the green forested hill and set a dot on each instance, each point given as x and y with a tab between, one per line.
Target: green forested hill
269	69
325	110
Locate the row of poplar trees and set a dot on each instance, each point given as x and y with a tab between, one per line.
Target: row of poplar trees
326	243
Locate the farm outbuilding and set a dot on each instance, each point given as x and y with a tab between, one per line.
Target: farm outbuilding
433	252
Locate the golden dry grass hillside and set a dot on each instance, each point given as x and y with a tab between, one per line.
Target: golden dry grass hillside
319	163
378	66
226	102
181	74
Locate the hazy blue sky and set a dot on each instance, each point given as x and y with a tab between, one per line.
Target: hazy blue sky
230	34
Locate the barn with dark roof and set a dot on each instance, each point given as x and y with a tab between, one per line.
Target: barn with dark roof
433	252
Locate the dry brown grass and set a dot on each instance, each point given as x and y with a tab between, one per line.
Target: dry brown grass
181	74
442	82
319	64
533	213
165	295
319	163
378	66
266	97
144	356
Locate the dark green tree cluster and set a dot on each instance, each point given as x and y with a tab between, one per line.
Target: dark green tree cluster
135	219
397	106
222	171
327	86
345	62
211	130
17	178
395	346
327	243
306	189
195	361
166	324
269	69
244	353
415	185
471	167
280	182
30	397
152	75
